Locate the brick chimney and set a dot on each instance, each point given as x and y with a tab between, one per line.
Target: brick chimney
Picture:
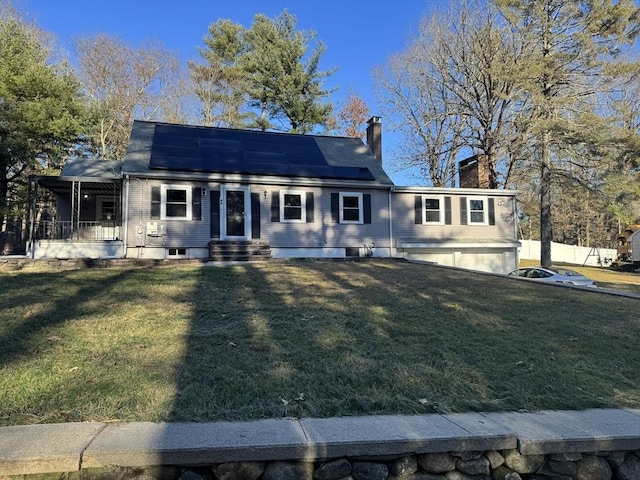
474	172
374	137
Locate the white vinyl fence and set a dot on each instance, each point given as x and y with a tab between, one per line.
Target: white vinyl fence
561	253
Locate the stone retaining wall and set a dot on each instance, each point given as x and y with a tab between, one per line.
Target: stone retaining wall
490	465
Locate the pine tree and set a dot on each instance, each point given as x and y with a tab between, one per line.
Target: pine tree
569	40
41	112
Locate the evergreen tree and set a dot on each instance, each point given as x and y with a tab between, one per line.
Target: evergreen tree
221	83
569	40
262	76
41	113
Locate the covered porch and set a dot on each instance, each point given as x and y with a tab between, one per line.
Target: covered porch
76	217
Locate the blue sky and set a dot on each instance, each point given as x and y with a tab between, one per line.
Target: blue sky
359	34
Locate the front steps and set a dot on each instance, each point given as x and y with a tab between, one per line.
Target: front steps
238	251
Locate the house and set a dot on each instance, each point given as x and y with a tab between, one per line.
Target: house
202	192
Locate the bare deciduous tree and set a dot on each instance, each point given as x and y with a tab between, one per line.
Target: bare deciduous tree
454	90
124	83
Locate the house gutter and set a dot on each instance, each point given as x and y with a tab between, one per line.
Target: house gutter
251	180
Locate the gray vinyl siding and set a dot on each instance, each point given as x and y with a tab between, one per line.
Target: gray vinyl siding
321	233
404	225
180	233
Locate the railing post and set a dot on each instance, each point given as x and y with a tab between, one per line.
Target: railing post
75	208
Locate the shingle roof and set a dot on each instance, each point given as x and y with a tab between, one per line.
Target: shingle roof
85	167
158	148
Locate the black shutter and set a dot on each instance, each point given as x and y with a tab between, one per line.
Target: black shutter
463	210
196	204
310	207
492	212
214	195
275	206
447	210
418	209
155	202
366	205
255	215
335	208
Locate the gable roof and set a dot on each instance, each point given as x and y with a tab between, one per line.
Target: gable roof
162	149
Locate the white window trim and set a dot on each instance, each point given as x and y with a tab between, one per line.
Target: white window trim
303	206
163	201
440	198
485	210
360	220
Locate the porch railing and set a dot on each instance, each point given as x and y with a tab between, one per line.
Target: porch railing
87	231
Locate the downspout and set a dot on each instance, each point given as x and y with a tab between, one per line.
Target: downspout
391	190
125	220
515	228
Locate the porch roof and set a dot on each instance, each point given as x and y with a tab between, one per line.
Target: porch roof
94	176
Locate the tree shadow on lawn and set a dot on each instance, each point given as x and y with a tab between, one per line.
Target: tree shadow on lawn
308	339
50	375
322	338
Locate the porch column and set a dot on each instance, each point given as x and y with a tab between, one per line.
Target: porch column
75	206
30	247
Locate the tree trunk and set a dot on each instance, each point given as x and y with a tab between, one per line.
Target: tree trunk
4	190
546	230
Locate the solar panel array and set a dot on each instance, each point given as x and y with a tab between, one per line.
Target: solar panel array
202	149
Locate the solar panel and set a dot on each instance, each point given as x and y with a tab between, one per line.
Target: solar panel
211	155
208	149
176	140
262	147
166	162
176	130
220	143
262	157
220	133
306	159
353	173
319	171
277	169
175	151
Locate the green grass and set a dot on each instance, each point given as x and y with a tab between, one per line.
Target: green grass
305	338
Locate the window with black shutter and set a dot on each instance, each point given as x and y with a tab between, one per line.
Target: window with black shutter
214	195
156	202
196	204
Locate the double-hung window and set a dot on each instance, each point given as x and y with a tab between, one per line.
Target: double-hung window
433	210
477	211
293	206
351	210
176	202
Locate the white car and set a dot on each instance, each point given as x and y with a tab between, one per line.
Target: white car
553	275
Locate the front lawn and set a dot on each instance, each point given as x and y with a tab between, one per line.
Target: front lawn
305	338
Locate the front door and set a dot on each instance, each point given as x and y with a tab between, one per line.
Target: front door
236	209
